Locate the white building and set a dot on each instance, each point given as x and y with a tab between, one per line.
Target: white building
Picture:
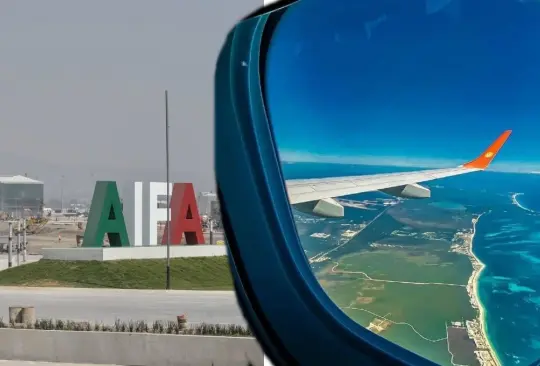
204	201
20	195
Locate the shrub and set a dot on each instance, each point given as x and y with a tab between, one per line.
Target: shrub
139	326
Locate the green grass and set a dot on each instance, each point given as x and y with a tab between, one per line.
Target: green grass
205	273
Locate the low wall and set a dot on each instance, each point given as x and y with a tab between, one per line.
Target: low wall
150	252
128	348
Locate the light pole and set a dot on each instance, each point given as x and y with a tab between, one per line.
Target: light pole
62	194
168	226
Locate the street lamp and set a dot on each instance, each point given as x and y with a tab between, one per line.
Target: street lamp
62	194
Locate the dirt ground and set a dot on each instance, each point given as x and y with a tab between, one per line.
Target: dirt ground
66	230
47	236
54	235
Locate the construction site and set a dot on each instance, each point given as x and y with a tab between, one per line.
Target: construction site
60	231
23	214
379	325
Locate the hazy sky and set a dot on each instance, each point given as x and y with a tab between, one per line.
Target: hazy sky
82	84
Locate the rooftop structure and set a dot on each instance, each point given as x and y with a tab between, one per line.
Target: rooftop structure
17	179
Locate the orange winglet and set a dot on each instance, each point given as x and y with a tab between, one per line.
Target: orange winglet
483	161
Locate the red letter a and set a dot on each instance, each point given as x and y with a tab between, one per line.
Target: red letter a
184	216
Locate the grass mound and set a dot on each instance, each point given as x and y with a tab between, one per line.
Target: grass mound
203	273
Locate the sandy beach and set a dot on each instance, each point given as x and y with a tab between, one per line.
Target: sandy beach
516	202
477	328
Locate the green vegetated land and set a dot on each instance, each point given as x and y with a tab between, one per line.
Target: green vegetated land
418	309
204	273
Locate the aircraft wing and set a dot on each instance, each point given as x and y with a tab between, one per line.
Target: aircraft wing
319	192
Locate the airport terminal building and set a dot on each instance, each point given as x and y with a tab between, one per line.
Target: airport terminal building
21	196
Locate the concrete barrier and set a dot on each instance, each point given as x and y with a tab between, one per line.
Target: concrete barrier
22	315
128	348
150	252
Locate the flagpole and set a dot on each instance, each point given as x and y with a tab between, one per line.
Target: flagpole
168	226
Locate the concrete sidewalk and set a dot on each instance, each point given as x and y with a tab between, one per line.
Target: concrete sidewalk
107	305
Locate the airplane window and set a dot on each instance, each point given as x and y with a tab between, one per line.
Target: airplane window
408	141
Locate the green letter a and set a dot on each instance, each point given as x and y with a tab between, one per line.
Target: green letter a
106	217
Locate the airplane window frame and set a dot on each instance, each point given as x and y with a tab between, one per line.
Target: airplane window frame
277	291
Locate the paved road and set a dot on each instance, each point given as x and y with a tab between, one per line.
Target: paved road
106	305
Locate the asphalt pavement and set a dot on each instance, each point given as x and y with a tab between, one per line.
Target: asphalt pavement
107	305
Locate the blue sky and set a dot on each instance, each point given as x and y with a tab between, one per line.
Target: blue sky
428	91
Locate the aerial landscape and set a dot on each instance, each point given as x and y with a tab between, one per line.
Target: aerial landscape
451	274
413	271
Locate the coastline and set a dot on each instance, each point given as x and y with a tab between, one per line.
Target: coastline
476	328
516	202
